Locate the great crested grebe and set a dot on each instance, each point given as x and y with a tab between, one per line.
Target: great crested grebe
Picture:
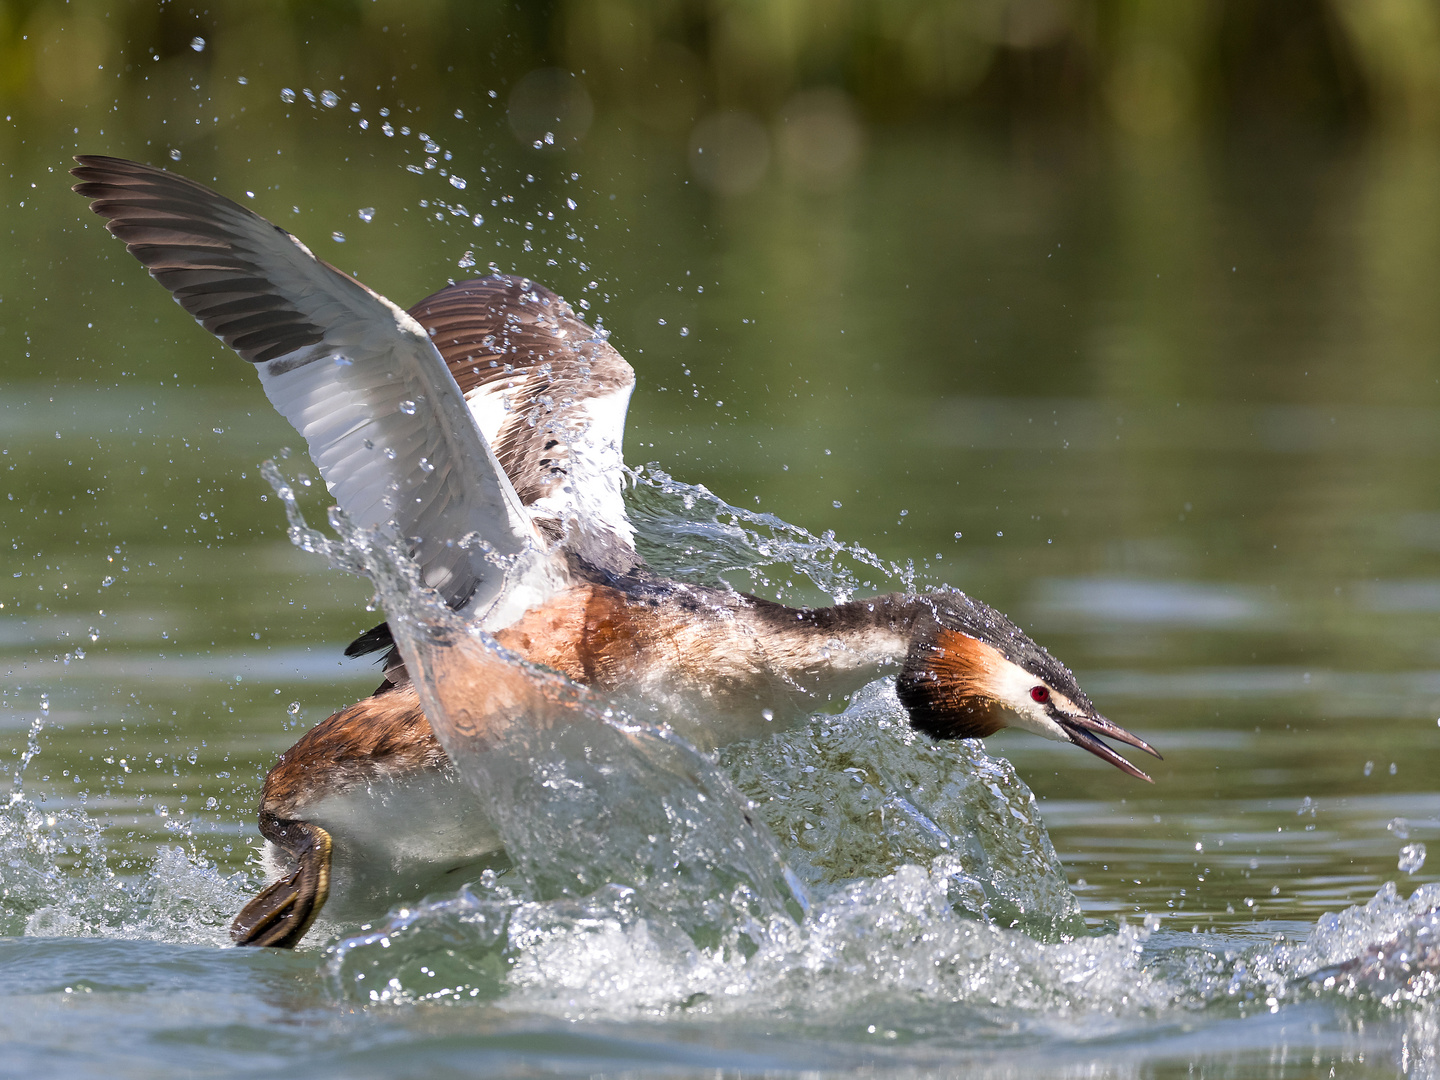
485	424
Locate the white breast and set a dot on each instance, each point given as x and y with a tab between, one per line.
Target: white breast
400	840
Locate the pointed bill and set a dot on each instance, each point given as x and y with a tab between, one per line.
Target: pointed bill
1083	731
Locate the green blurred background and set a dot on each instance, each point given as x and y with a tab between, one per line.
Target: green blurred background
1142	68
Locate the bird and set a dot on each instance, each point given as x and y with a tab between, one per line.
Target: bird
485	425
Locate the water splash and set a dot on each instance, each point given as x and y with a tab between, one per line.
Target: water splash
861	794
602	955
57	879
583	796
1388	949
687	532
906	901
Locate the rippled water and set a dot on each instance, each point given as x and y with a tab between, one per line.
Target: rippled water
1209	490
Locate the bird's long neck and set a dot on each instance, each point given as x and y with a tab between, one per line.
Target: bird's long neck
834	651
752	662
741	664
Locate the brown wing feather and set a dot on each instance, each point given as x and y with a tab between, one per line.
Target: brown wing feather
513	336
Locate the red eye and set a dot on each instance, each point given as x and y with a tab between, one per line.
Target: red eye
1039	694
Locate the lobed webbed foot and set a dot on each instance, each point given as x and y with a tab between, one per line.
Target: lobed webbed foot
281	914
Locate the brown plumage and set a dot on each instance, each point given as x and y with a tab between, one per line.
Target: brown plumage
722	648
949	686
382	735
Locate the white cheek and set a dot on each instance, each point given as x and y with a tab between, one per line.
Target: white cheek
1015	686
1034	718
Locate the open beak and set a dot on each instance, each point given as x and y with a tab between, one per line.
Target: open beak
1084	729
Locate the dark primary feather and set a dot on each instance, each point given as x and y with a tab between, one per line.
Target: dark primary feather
385	422
371	641
186	236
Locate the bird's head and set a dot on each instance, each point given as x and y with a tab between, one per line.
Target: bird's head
971	672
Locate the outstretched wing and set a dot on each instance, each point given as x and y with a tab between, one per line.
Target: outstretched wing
386	423
549	393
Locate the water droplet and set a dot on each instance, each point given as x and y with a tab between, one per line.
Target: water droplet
1369	767
685	332
1400	827
338	236
459	115
387	129
367	214
836	504
288	96
768	714
407	407
107	581
389	453
174	155
457	182
293	708
426	466
467	260
197	43
477	220
1412	858
570	203
94	634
